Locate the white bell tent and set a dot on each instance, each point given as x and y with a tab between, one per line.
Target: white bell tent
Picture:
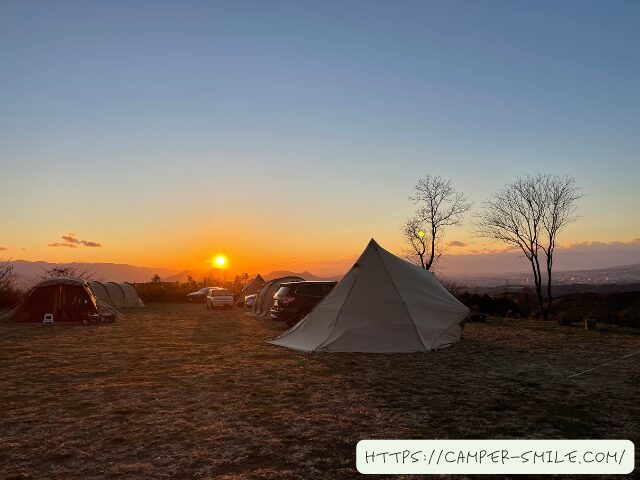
384	304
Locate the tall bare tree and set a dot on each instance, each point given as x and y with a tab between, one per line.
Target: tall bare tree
514	216
440	205
529	213
560	209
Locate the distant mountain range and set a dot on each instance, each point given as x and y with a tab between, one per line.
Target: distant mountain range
28	272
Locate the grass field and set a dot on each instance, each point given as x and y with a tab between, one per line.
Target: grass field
175	391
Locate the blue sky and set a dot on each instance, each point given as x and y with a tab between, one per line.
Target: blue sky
182	117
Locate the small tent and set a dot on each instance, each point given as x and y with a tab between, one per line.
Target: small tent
251	288
262	306
383	304
117	294
67	299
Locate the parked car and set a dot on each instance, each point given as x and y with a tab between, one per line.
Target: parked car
478	317
219	298
249	300
296	299
200	296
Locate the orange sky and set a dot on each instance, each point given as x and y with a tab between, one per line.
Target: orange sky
173	135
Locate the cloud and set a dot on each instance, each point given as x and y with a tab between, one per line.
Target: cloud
90	244
71	240
570	256
3	248
592	245
456	243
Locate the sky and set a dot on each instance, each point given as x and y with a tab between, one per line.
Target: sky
286	134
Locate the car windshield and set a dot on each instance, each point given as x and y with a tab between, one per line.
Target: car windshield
205	289
220	293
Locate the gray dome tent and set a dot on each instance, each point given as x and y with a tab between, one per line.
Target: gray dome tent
117	294
67	299
250	288
264	300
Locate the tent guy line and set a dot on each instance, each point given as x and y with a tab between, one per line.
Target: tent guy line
607	363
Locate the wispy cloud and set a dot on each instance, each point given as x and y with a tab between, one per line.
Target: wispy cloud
601	245
456	243
3	248
71	240
62	244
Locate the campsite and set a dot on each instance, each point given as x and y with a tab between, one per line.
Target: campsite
177	391
282	240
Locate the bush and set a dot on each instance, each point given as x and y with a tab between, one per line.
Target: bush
496	306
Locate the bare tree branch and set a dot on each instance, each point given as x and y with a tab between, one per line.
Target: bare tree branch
560	197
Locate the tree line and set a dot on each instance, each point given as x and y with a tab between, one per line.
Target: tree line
528	214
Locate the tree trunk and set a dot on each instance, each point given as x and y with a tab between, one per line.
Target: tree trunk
538	278
549	267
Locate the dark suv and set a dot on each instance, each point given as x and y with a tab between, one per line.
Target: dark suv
295	299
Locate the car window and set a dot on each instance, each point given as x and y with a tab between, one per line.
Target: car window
310	291
282	292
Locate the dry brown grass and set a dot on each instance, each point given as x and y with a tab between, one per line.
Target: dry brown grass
175	391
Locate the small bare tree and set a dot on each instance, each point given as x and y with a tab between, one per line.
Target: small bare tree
9	294
439	205
7	276
67	271
560	209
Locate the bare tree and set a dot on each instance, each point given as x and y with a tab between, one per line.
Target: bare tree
68	271
529	213
9	294
439	205
560	210
514	216
7	276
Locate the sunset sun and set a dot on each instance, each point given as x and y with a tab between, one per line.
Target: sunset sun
220	260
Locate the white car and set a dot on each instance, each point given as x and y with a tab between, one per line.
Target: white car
219	298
